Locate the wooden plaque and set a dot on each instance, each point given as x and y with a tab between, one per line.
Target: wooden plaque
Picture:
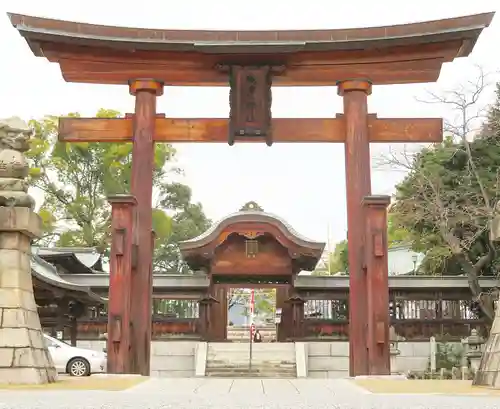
250	103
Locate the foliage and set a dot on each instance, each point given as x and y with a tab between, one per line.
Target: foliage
448	356
187	221
447	200
76	179
264	299
339	259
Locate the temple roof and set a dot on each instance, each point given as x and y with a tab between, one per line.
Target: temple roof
253	213
312	57
74	260
47	273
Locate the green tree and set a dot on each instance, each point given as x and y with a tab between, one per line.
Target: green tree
76	179
396	235
187	221
264	299
339	262
447	200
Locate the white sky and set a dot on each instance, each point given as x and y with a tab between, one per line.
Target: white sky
303	183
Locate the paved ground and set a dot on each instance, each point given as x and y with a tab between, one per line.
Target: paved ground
238	394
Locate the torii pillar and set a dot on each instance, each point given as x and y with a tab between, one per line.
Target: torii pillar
146	92
120	284
358	185
377	283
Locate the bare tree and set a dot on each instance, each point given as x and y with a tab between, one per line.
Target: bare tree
447	194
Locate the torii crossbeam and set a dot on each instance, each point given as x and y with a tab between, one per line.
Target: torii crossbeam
250	62
306	130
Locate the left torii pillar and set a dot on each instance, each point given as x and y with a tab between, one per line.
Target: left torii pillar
120	284
146	92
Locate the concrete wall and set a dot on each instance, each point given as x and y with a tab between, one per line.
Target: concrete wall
324	359
331	359
327	359
174	359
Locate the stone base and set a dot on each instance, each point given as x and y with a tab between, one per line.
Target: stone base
24	358
27	376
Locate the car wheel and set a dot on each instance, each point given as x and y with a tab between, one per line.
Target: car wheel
78	367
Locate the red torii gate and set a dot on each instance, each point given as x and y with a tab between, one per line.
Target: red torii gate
250	62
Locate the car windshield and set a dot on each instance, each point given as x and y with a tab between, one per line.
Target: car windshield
49	340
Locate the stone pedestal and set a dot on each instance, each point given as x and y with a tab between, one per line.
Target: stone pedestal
24	358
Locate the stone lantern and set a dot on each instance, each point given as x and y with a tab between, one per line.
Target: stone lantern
24	357
473	344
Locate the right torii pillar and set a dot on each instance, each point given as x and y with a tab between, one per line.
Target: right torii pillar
358	186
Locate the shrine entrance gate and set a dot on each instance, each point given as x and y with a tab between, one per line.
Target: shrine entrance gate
251	248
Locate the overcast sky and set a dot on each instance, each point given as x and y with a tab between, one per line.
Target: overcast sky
305	184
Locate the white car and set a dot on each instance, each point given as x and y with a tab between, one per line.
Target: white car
75	361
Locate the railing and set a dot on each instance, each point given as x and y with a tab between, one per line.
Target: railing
413	320
171	319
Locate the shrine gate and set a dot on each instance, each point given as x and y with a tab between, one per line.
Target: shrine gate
250	62
251	248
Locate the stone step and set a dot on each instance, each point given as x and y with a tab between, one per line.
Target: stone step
255	368
255	357
247	332
270	347
246	350
245	362
245	365
251	374
242	335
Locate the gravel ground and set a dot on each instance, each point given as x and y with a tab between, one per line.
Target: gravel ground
238	394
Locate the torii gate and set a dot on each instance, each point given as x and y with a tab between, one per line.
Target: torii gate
250	61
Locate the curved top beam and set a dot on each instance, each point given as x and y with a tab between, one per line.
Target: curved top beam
95	53
232	40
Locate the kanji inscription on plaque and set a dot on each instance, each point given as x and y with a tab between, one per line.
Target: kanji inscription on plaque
250	103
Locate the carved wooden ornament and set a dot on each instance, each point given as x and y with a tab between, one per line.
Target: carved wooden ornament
250	103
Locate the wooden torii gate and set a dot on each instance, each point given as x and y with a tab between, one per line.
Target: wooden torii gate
250	62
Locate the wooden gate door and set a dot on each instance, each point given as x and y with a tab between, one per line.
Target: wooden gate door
218	316
282	295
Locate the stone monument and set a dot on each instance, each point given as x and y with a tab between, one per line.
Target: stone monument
24	358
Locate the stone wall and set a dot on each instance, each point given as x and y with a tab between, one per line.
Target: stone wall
170	359
327	359
324	359
331	359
